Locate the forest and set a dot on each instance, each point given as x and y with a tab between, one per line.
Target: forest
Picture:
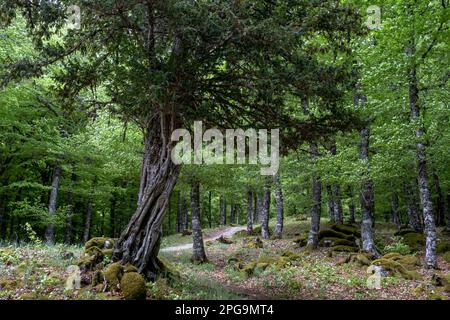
347	102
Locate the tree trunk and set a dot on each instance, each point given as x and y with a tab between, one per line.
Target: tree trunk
351	206
279	204
2	217
70	210
222	212
441	205
210	209
313	235
232	213
185	214
260	207
249	212
198	252
49	232
179	213
394	210
337	204
424	190
88	217
139	242
331	210
412	208
367	214
255	208
265	213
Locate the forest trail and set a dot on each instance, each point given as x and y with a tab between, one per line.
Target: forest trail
228	232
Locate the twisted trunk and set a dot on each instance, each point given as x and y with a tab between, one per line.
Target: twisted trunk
49	232
198	249
139	242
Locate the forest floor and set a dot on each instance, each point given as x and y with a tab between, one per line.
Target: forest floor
39	271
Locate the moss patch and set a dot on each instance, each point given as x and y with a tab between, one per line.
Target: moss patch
415	240
347	229
113	274
133	286
252	243
330	242
100	242
329	233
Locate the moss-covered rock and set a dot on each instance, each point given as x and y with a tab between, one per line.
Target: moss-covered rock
252	243
100	242
330	242
301	240
133	286
113	274
98	278
341	248
415	240
347	229
262	263
329	233
168	271
225	240
397	269
186	232
441	280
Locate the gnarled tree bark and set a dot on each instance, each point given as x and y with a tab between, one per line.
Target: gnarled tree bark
139	242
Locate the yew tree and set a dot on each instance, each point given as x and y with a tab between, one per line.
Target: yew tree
163	64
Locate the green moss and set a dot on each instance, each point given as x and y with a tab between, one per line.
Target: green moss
97	278
341	248
402	232
133	286
328	233
330	242
414	240
397	269
100	242
186	232
168	271
113	274
301	240
443	246
446	257
225	240
252	243
129	268
347	229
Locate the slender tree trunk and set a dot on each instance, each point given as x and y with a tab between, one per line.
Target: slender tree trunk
260	207
249	212
331	203
198	252
313	235
179	212
424	190
441	205
337	204
210	209
70	211
351	206
255	208
279	205
265	212
222	213
88	217
139	242
2	217
412	208
367	206
49	232
394	210
232	213
185	214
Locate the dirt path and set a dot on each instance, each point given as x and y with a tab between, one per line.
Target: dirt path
228	232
